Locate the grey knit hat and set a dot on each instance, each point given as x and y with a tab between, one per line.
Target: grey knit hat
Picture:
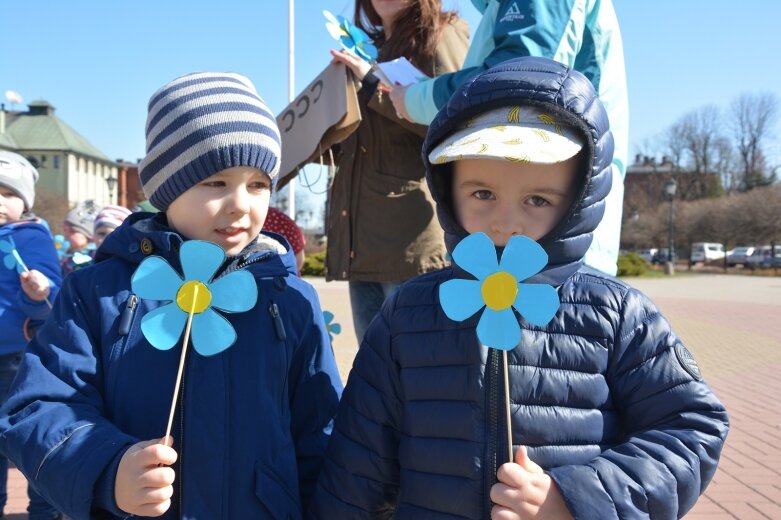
18	174
82	217
203	123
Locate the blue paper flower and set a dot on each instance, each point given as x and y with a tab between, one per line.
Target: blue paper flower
498	289
61	245
11	259
351	37
155	279
332	328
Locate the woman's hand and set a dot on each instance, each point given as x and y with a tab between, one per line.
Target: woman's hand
359	67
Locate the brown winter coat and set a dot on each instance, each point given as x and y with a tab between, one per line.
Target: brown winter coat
381	224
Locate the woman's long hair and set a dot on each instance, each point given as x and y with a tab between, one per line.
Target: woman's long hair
415	32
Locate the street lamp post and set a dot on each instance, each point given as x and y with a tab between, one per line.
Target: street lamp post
669	190
111	182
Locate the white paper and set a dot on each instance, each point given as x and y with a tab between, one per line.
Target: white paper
399	71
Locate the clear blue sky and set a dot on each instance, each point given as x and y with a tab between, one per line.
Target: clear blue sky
98	61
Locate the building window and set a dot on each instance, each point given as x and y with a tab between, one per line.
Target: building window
33	161
56	162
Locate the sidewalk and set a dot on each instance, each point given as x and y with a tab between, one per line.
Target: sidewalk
732	325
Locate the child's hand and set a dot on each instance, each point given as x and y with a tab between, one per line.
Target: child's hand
359	67
524	491
35	285
143	486
397	98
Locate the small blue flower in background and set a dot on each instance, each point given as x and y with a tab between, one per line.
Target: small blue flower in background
61	245
332	328
155	279
11	259
351	37
498	289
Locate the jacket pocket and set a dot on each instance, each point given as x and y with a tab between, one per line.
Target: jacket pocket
275	497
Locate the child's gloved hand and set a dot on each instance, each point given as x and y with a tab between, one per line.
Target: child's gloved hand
35	285
525	491
143	486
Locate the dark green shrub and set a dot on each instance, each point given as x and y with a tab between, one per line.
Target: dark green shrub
314	264
631	264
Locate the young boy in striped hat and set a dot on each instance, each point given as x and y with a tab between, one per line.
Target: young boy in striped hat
252	422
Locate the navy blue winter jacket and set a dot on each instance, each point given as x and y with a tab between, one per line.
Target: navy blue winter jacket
251	424
606	397
18	313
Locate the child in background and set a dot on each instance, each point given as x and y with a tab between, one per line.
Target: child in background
610	416
253	421
107	220
77	229
278	222
23	293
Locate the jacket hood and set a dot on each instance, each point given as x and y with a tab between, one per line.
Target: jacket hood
568	95
480	5
143	234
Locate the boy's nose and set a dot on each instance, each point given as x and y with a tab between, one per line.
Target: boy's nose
508	223
240	201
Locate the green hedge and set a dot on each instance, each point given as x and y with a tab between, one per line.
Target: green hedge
631	264
314	264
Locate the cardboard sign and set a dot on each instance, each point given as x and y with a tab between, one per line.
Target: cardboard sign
323	114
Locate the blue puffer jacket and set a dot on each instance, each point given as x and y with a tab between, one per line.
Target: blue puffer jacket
18	313
605	397
251	424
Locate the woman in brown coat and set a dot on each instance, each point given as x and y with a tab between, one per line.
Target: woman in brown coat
381	225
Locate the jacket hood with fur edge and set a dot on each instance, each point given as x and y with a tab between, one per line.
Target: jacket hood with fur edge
568	95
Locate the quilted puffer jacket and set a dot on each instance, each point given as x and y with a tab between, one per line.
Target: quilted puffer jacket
606	397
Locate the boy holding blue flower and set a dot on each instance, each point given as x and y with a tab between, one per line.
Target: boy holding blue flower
252	421
610	416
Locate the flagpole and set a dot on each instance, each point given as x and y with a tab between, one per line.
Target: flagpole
291	94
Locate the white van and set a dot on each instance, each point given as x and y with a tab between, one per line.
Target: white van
706	252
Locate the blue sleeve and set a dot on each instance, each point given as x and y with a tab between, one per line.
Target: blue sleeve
360	478
35	246
315	390
52	424
509	29
675	428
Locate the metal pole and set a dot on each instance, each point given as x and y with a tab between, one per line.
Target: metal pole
671	251
291	94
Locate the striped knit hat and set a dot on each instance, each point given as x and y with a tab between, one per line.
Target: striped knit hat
111	216
201	124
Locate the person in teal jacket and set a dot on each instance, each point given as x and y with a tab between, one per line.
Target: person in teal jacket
85	417
582	34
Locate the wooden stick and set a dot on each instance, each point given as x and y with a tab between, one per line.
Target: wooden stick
507	407
181	365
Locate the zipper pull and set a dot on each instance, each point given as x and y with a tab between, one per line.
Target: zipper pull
279	327
127	315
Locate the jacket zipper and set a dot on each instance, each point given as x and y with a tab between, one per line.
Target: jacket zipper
492	376
127	315
279	326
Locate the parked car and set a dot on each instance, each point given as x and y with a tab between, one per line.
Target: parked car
648	254
706	252
739	255
762	257
663	256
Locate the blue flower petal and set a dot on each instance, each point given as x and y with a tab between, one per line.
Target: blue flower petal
499	329
476	255
537	303
235	292
460	298
335	328
163	326
328	317
9	262
5	246
211	333
200	260
155	279
523	258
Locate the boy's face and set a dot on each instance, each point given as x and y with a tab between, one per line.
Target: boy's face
11	205
101	233
503	199
228	208
77	239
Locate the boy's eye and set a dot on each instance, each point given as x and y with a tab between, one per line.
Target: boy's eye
483	195
259	185
535	200
214	184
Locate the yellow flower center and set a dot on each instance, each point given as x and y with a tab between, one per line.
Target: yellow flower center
499	290
193	296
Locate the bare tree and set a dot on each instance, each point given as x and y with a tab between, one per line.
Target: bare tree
752	117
